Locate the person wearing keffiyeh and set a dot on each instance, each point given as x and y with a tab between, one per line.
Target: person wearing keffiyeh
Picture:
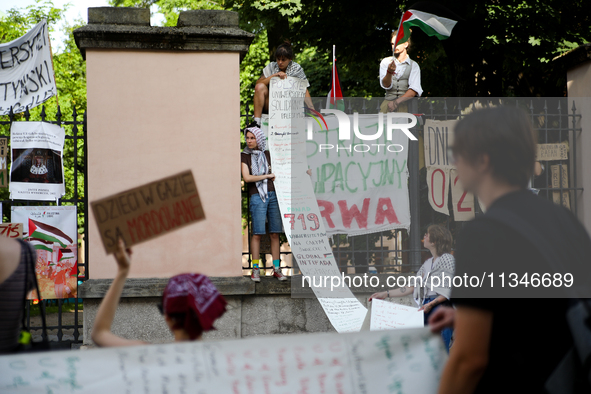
190	305
283	67
263	204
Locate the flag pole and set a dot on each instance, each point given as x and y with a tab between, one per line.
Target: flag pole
397	33
53	66
334	98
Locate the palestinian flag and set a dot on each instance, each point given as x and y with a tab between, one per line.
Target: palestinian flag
334	98
41	244
434	22
65	254
48	233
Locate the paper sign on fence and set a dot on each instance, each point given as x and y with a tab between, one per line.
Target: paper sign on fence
387	315
148	211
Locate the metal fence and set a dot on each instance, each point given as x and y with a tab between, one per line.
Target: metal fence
400	250
64	320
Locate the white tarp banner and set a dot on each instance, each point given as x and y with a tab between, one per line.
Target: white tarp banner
26	72
401	361
361	185
387	315
299	210
37	170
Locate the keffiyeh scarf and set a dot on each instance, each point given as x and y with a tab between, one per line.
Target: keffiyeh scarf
258	160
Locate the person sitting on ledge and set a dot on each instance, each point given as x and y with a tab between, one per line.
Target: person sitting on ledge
190	305
283	67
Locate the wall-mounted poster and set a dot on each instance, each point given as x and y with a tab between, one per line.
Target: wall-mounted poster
53	233
37	171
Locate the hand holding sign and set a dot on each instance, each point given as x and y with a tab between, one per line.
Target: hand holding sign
148	211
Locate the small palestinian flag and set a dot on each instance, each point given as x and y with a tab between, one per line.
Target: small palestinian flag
432	23
48	233
64	254
41	244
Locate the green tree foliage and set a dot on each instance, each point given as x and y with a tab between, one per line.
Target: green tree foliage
70	76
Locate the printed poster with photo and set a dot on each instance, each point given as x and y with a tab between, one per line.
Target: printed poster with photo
37	171
53	233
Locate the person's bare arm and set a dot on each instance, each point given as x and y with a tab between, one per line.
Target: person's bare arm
387	80
265	80
427	307
101	331
469	357
400	292
248	178
308	100
406	96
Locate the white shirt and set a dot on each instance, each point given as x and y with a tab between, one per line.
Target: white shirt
414	80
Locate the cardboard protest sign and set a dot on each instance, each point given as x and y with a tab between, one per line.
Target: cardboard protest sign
557	177
26	72
53	232
438	183
148	211
552	151
37	170
437	139
462	201
3	164
11	230
387	315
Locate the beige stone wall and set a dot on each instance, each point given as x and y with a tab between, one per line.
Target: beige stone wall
579	91
152	114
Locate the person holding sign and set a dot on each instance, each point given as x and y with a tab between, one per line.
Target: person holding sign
190	305
282	67
256	172
435	291
400	76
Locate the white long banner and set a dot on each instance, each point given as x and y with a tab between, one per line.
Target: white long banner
361	186
26	71
401	361
299	210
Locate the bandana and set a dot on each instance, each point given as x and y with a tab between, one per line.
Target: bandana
258	161
196	297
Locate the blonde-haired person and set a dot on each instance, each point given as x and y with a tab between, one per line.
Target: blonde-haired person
438	240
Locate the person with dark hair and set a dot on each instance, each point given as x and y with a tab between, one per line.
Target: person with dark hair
264	207
429	297
400	76
520	236
190	305
282	67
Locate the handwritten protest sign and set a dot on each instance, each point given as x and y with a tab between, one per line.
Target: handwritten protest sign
11	230
438	138
405	361
3	164
299	210
552	151
560	180
148	211
26	71
387	315
361	186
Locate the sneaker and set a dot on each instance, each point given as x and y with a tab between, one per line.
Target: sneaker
278	274
256	275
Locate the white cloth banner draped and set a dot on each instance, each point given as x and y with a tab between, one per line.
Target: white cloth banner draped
298	206
26	72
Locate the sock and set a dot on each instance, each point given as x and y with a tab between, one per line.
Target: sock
258	120
276	263
255	263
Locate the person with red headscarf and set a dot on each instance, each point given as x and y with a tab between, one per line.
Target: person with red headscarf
190	305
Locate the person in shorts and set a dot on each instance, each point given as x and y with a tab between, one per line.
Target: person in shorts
256	172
